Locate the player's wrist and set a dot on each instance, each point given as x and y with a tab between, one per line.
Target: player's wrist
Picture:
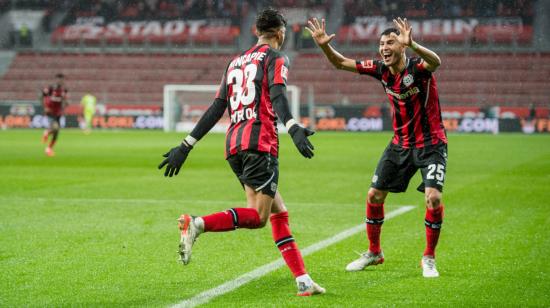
322	45
190	140
290	123
413	46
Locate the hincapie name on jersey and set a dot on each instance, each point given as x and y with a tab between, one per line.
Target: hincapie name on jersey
247	58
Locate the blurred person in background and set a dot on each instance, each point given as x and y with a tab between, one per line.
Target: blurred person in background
88	104
54	100
419	141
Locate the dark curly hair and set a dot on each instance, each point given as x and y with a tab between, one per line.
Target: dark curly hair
269	20
388	31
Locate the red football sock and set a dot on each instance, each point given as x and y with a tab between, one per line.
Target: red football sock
231	220
433	221
285	242
52	143
375	219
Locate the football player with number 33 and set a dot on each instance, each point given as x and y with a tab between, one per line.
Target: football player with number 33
253	90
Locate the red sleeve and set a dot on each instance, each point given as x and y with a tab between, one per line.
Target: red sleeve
281	72
419	66
278	70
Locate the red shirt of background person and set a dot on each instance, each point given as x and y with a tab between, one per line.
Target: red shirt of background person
54	100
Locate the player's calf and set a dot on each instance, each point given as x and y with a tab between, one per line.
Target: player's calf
284	240
433	222
232	219
45	136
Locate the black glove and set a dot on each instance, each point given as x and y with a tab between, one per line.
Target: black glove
175	158
299	136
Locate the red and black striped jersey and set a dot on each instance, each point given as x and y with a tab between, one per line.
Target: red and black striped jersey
414	100
245	87
53	98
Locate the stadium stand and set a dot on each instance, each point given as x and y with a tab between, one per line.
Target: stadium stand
438	9
472	80
115	78
467	77
447	22
158	22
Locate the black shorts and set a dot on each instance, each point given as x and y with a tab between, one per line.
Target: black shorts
398	165
257	170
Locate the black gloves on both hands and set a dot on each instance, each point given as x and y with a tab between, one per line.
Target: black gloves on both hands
299	136
175	159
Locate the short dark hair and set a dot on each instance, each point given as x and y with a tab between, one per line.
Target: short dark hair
388	31
59	75
269	20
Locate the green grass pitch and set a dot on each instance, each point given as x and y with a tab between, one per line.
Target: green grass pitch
96	224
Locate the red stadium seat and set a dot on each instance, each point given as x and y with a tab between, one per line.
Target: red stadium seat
504	35
464	80
476	79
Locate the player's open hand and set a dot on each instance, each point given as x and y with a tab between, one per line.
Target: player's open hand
299	136
175	159
318	32
405	31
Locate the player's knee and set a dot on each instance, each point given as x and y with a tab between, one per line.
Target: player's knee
263	221
375	196
264	217
433	198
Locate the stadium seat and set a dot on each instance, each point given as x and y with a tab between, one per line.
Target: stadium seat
463	79
474	79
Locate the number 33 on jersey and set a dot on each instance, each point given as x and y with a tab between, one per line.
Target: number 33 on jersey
245	87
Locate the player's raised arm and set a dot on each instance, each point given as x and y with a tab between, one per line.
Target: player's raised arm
431	59
175	158
322	39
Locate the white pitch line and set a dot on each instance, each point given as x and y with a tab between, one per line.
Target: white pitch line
231	285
